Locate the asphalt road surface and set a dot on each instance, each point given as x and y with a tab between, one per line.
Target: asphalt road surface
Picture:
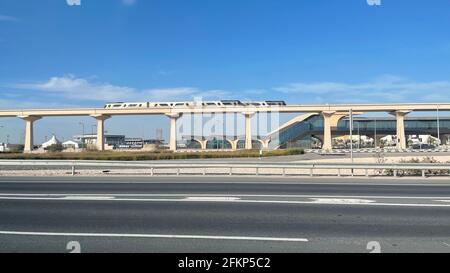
223	214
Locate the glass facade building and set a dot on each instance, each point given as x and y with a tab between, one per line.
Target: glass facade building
306	133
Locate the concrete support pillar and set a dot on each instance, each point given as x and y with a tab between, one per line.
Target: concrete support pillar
327	115
203	143
173	130
330	120
234	143
28	143
265	143
248	130
401	137
101	131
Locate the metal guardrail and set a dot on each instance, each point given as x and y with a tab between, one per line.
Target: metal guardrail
231	167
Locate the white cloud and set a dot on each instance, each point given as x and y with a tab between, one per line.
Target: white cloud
77	88
383	89
71	87
7	18
32	104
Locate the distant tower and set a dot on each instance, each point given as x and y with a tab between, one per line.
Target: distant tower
159	134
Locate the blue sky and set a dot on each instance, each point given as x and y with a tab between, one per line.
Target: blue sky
301	51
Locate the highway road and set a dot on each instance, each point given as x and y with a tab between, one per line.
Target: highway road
223	214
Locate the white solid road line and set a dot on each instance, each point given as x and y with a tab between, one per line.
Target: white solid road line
343	201
219	195
81	197
212	198
331	201
163	236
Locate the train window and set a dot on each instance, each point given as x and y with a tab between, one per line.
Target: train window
276	102
231	102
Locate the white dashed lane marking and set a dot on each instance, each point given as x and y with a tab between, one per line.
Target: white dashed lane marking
268	199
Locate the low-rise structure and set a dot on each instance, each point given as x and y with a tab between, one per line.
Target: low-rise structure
357	141
91	140
4	147
113	142
423	139
71	144
52	141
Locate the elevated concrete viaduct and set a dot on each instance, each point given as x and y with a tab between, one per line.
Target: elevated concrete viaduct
331	113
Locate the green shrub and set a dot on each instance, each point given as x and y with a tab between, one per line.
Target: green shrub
426	159
55	148
54	153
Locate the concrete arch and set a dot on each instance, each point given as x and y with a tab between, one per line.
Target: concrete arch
240	144
264	143
202	142
233	143
218	143
256	144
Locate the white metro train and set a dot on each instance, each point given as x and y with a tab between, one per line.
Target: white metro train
221	103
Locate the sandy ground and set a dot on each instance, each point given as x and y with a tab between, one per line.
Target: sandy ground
373	159
226	171
199	172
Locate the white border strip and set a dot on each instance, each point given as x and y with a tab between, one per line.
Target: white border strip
331	202
162	236
110	195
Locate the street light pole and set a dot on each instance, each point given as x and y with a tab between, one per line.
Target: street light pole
375	134
438	126
82	127
351	137
359	137
351	134
1	127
